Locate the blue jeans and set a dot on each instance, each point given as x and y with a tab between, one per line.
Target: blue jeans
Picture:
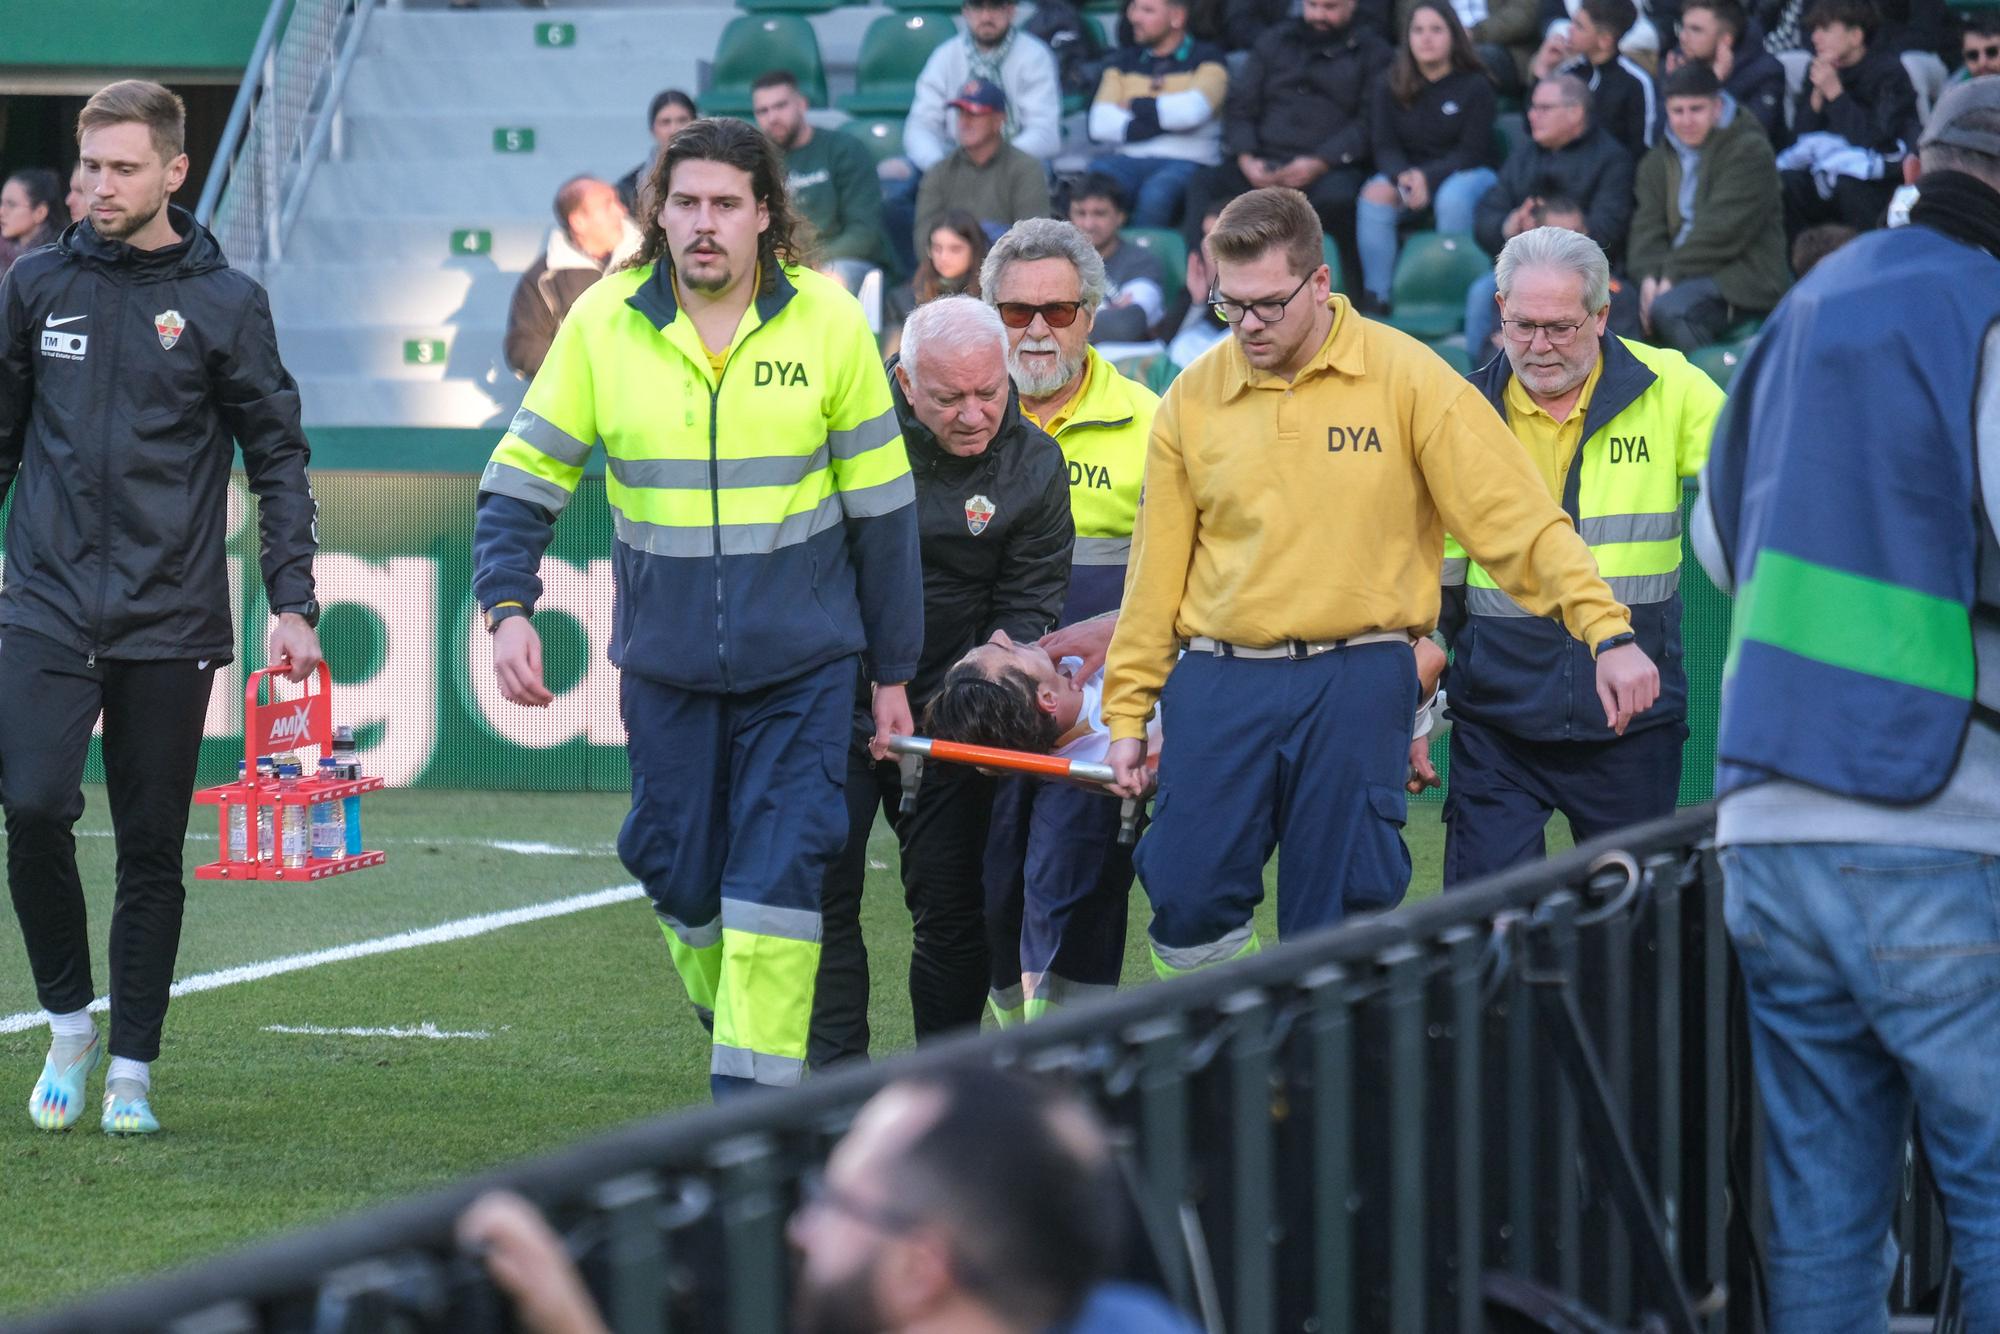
1452	207
1154	186
1482	319
1873	976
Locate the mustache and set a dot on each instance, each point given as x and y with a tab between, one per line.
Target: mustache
1039	345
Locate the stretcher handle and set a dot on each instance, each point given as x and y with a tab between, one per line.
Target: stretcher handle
992	757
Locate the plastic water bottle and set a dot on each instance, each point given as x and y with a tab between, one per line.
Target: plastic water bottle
329	833
294	833
239	821
350	769
267	842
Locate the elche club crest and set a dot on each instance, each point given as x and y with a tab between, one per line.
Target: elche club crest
978	513
168	324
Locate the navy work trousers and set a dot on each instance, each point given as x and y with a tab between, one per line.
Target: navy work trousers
1058	890
1502	790
1309	754
737	813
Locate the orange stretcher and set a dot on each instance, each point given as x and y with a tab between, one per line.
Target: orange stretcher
914	751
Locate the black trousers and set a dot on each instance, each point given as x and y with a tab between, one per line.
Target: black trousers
1859	204
942	847
50	696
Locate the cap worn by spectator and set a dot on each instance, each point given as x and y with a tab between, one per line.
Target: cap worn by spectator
1948	126
981	95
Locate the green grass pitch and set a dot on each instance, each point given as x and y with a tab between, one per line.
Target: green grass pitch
585	1028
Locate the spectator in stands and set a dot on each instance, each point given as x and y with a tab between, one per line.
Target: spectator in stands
78	198
593	235
1504	33
1814	244
1624	100
968	1198
670	111
985	175
1703	244
1567	214
1433	132
1297	115
1566	155
1135	298
1859	822
1979	46
952	255
993	49
1856	119
829	176
1711	33
28	218
1159	104
1074	39
1192	326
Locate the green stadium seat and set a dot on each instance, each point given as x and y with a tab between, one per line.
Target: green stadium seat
882	134
753	44
925	6
1452	349
1166	245
1336	279
1427	295
893	52
789	6
1155	370
1510	131
1743	330
1720	360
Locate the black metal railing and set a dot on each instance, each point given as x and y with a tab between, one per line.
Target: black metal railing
1539	1077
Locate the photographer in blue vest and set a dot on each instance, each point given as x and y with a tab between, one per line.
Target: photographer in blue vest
1613	426
1850	502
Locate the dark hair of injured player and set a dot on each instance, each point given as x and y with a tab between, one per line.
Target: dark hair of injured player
1000	709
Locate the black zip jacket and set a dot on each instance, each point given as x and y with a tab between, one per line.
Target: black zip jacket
1305	92
1877	108
1623	100
1592	170
1012	573
124	374
1446	128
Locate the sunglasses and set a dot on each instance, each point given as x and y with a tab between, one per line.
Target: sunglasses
1057	314
1982	53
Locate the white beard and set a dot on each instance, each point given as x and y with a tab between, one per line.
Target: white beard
1040	384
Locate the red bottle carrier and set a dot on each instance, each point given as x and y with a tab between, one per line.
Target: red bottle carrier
304	725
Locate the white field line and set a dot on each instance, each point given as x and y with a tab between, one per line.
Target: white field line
445	932
426	1029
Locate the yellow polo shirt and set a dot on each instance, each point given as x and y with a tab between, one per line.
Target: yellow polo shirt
1316	509
1552	444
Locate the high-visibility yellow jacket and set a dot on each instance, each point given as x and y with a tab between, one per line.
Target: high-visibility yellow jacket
1316	509
1646	428
765	518
1103	437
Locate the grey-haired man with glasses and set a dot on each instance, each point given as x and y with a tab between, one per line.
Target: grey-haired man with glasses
1613	427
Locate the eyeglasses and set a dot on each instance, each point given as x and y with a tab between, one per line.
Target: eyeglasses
1056	314
816	1193
1267	312
1982	53
1524	331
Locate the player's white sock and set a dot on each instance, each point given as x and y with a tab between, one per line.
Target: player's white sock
130	1071
76	1024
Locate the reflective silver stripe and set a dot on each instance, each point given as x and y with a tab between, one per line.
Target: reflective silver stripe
761	919
1055	989
762	1067
1631	528
738	539
504	479
1101	551
694	937
1492	602
882	498
871	434
1635	588
551	439
692	474
1182	958
1452	572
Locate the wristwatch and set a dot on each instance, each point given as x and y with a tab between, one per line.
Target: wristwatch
1618	641
505	611
308	609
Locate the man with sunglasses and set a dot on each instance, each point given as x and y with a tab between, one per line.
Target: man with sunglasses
1299	480
1981	47
1613	427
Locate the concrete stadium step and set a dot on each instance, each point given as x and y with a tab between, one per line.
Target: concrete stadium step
416	238
367	401
515	91
414	351
517	187
437	35
469	136
332	294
